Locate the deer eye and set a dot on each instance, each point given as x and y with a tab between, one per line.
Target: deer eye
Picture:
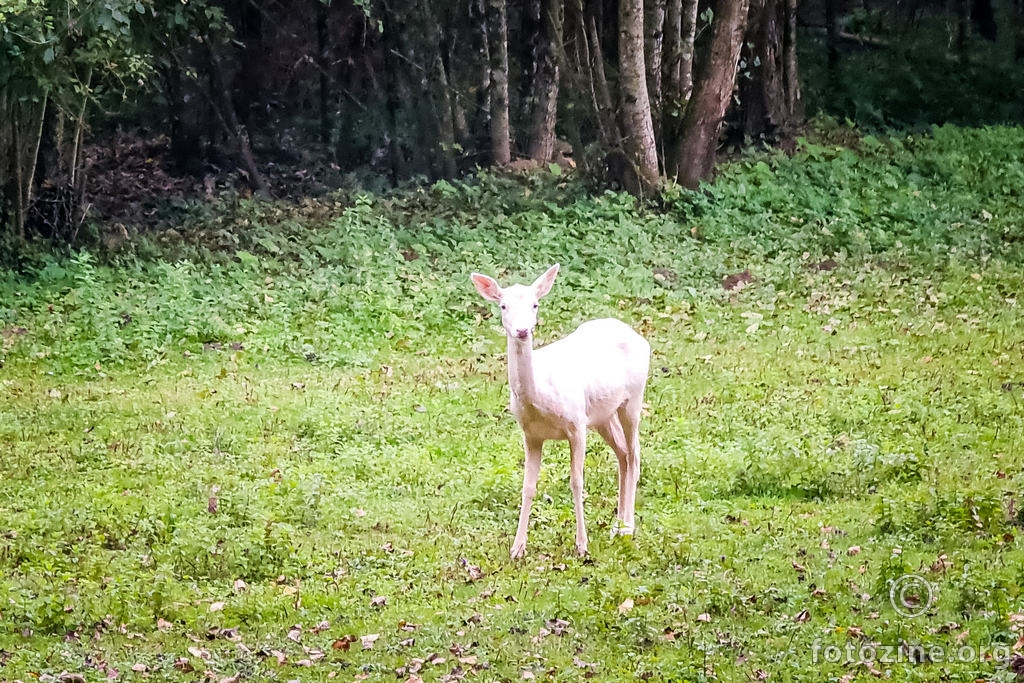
503	307
535	306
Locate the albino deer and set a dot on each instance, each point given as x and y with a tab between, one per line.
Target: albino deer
594	378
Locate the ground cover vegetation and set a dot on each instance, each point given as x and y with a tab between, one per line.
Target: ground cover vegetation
272	443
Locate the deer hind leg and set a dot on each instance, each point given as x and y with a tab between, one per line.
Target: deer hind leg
531	471
612	433
629	416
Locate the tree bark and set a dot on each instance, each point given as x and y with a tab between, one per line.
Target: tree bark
545	91
441	100
711	94
654	40
689	41
762	88
791	72
638	128
673	50
497	43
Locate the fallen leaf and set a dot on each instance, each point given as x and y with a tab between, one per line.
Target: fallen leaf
216	606
343	643
163	625
378	601
240	586
704	617
626	606
295	633
184	665
368	640
853	550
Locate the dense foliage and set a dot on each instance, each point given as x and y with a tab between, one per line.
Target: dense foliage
280	451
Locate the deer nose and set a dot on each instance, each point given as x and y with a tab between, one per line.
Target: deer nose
522	334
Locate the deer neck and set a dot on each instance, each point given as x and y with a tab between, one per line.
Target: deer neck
520	370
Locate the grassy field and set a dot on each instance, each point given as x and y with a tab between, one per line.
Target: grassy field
274	444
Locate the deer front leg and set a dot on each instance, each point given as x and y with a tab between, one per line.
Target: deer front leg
577	453
530	473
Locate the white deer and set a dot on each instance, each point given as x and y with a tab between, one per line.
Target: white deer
592	379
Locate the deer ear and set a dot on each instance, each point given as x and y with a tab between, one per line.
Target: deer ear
487	287
542	285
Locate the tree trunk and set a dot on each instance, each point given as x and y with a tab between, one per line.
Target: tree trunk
497	43
481	84
791	74
322	61
545	91
832	41
530	48
654	39
680	33
225	110
441	100
711	94
393	101
638	128
689	41
763	101
600	81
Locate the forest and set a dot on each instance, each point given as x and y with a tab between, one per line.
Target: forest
255	417
114	110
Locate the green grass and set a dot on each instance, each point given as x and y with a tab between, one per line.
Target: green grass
232	458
